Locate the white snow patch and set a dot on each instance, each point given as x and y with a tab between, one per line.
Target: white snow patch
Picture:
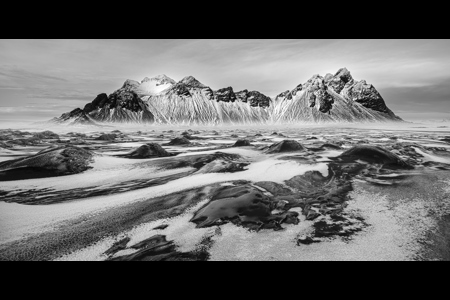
180	230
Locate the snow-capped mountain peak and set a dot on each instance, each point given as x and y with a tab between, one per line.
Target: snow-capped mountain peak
154	86
160	79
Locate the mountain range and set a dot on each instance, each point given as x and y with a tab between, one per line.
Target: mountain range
162	100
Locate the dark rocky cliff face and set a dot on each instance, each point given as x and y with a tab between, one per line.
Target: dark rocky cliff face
367	95
256	98
77	115
338	81
225	95
317	95
283	94
184	86
242	95
122	98
99	101
125	99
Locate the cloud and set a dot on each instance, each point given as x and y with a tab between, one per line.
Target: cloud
21	74
30	84
411	75
431	98
61	95
10	88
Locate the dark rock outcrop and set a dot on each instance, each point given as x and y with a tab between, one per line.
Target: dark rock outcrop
283	94
54	161
324	99
317	94
339	80
368	96
128	100
208	92
31	141
107	137
293	93
147	151
76	116
5	145
178	141
285	146
46	135
117	246
124	97
225	95
158	248
99	101
242	143
242	96
243	205
374	154
258	99
188	83
254	98
222	166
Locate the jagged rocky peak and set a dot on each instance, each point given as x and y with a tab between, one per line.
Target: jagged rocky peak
295	90
328	77
344	75
76	116
283	94
124	99
185	86
72	114
255	98
191	82
339	80
130	84
155	85
226	95
160	79
316	93
242	95
99	101
312	81
367	95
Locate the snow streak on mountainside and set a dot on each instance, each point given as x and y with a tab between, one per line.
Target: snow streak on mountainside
333	98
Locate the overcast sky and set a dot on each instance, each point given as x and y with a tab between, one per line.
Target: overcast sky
40	79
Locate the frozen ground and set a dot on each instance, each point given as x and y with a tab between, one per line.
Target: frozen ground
297	205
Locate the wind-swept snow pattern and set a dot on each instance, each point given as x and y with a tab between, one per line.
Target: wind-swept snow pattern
162	100
291	192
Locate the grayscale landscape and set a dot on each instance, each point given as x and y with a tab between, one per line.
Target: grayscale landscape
184	170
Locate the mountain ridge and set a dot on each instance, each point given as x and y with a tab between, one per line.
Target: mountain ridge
162	100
